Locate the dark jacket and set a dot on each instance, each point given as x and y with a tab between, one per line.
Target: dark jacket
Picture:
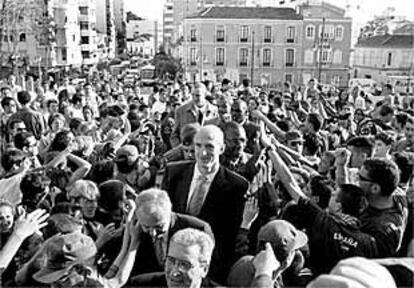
222	208
146	261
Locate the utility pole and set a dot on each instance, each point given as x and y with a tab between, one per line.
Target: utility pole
321	40
201	58
411	59
252	71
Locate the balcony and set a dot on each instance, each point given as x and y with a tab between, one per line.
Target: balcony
219	63
193	39
243	64
268	40
193	63
290	40
220	39
244	40
266	64
289	64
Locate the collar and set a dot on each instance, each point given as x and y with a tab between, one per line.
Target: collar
210	177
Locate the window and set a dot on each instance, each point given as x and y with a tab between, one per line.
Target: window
22	37
220	56
325	56
290	57
336	79
244	33
220	34
193	35
74	38
339	33
64	54
290	34
83	10
84	40
193	56
244	56
310	32
84	25
289	78
389	59
267	56
328	31
337	57
86	54
268	34
309	56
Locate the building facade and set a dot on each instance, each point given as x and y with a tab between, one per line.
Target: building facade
326	44
88	41
385	57
238	43
142	37
105	25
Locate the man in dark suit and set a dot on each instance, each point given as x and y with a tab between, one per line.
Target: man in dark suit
198	110
240	114
211	192
157	225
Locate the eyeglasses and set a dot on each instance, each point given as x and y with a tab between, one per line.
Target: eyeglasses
183	265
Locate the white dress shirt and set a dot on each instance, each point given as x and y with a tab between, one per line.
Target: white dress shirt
197	174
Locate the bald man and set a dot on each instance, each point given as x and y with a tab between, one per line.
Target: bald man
211	192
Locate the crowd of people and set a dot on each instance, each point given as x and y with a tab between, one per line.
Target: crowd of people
204	184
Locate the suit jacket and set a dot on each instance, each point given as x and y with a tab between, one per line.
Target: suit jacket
222	208
217	122
186	114
33	120
146	261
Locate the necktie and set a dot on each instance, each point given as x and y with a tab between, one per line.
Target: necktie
159	250
200	117
199	194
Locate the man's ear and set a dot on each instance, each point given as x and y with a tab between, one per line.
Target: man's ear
223	147
204	270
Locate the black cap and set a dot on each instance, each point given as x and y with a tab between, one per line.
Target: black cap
361	141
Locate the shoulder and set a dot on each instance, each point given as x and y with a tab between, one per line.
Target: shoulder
185	221
234	177
179	166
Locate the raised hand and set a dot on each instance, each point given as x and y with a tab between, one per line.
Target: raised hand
265	262
27	224
250	212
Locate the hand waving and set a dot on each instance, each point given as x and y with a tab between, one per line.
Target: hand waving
27	224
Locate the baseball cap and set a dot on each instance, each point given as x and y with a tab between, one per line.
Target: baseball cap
283	237
63	252
356	272
127	153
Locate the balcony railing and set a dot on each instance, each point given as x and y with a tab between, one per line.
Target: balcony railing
243	64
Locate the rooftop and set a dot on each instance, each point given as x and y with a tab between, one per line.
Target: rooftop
387	41
270	13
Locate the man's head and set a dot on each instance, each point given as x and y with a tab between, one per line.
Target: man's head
63	253
6	92
85	193
16	126
9	105
153	210
6	216
224	103
294	141
405	164
313	123
26	142
188	133
188	259
239	111
284	238
126	159
199	95
209	145
386	113
236	140
348	199
378	178
13	161
383	143
361	148
24	97
409	130
52	106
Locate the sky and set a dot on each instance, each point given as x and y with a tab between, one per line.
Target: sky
152	9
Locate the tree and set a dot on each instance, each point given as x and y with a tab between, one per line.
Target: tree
19	18
166	66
